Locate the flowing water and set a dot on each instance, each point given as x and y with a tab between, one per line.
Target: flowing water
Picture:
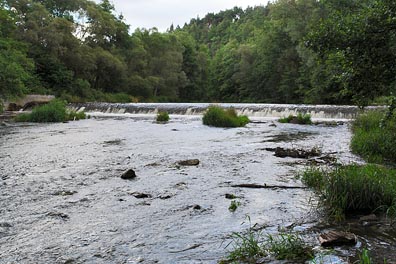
62	199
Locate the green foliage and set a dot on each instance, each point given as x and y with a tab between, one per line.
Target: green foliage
365	258
162	117
54	111
218	117
1	107
246	247
354	188
234	205
373	141
287	246
303	119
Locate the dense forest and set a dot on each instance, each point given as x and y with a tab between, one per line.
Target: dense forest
289	51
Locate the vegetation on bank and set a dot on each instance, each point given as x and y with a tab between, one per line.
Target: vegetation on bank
307	51
162	117
1	107
250	246
218	117
374	137
302	119
354	188
54	111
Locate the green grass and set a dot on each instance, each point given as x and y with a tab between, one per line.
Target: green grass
302	119
1	107
218	117
54	111
374	142
365	258
234	205
354	188
287	246
162	117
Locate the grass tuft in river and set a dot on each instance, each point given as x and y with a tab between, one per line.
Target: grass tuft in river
218	117
234	205
54	111
354	188
162	117
302	119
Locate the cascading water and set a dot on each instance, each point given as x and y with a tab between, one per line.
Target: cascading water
251	110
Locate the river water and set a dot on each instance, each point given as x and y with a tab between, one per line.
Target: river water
62	199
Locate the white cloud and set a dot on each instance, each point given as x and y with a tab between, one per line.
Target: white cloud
162	13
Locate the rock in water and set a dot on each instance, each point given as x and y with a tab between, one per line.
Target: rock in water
337	238
191	162
128	175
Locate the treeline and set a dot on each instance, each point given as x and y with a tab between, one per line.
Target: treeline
290	51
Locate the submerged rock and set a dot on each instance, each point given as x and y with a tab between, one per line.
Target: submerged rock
128	175
295	153
337	238
190	162
140	195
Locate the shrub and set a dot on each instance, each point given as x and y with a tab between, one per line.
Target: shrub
354	188
302	119
162	117
218	117
373	141
54	111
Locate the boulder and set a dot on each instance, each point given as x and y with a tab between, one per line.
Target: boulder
190	162
128	175
337	238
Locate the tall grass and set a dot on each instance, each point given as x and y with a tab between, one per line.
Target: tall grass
218	117
354	188
54	111
375	140
303	119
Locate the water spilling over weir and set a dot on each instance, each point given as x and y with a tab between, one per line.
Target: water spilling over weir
251	110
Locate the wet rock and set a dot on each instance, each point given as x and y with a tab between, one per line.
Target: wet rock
140	195
5	224
368	218
58	215
128	175
190	162
337	238
155	164
165	196
295	153
273	125
197	207
64	193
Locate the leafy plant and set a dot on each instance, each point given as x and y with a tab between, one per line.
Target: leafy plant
218	117
302	119
365	257
162	117
234	205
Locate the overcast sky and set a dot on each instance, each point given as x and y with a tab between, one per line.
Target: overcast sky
162	13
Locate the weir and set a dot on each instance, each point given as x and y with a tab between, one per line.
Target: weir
251	110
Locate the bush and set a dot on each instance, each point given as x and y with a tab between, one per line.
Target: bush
302	119
354	188
54	111
373	141
162	117
218	117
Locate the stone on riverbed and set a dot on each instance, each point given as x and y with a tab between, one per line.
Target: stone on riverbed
337	238
190	162
295	153
128	175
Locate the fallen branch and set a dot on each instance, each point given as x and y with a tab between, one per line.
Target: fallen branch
265	186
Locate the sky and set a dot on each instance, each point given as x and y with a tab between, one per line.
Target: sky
162	13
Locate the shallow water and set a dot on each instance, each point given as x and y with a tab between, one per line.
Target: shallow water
62	199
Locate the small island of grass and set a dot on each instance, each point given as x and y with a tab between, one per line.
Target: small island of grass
218	117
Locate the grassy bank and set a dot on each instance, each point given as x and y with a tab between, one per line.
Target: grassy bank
354	188
374	137
54	111
218	117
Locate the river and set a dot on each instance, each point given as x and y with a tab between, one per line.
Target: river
62	199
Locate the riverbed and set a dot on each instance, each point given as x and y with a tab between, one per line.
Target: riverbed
62	199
